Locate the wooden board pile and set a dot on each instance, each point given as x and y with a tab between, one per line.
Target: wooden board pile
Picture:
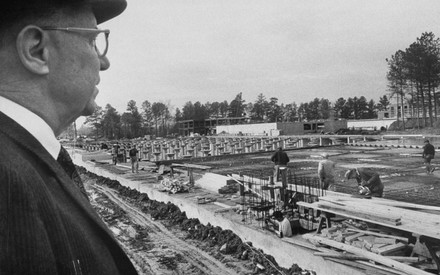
418	219
378	243
380	215
386	253
403	238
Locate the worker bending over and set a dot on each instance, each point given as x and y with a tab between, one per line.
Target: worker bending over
368	181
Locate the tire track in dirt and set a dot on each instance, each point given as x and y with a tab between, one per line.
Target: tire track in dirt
167	246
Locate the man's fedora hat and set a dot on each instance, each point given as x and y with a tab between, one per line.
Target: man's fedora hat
103	10
107	9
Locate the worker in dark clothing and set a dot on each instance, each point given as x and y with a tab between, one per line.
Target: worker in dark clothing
115	153
134	159
368	181
280	159
428	155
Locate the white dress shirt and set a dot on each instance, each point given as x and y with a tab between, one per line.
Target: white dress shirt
34	124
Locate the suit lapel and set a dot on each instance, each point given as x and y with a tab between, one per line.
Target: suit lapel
24	139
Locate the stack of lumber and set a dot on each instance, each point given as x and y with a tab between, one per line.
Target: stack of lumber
346	251
378	243
361	210
388	248
399	215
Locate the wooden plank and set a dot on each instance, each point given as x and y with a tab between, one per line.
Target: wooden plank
371	256
405	205
161	169
367	267
385	241
340	256
391	220
412	221
195	166
390	248
364	205
367	232
353	237
376	246
362	258
370	268
404	259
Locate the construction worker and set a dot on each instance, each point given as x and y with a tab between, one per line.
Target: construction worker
326	172
369	182
280	159
280	224
115	152
428	155
134	159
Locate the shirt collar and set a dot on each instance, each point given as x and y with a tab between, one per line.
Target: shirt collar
34	124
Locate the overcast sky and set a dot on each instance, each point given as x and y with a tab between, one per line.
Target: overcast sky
174	51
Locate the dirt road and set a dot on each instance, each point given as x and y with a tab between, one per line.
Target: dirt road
155	248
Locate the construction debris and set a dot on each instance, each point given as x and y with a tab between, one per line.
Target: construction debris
173	185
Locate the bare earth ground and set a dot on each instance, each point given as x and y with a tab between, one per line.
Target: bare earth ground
156	248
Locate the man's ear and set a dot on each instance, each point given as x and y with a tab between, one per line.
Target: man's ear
32	49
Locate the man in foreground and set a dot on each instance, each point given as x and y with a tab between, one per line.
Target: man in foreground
49	68
369	183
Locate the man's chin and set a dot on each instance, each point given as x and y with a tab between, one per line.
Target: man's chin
89	109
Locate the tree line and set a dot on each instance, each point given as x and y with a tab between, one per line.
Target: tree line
156	118
413	78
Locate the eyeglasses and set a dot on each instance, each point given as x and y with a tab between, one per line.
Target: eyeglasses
100	42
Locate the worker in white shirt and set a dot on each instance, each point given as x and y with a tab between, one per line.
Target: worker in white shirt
281	224
326	171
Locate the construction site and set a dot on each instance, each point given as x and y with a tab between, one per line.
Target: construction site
200	205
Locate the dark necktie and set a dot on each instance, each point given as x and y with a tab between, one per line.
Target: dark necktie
66	162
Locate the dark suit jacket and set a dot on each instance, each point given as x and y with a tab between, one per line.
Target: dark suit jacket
46	225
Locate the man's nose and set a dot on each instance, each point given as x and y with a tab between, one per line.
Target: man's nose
104	63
